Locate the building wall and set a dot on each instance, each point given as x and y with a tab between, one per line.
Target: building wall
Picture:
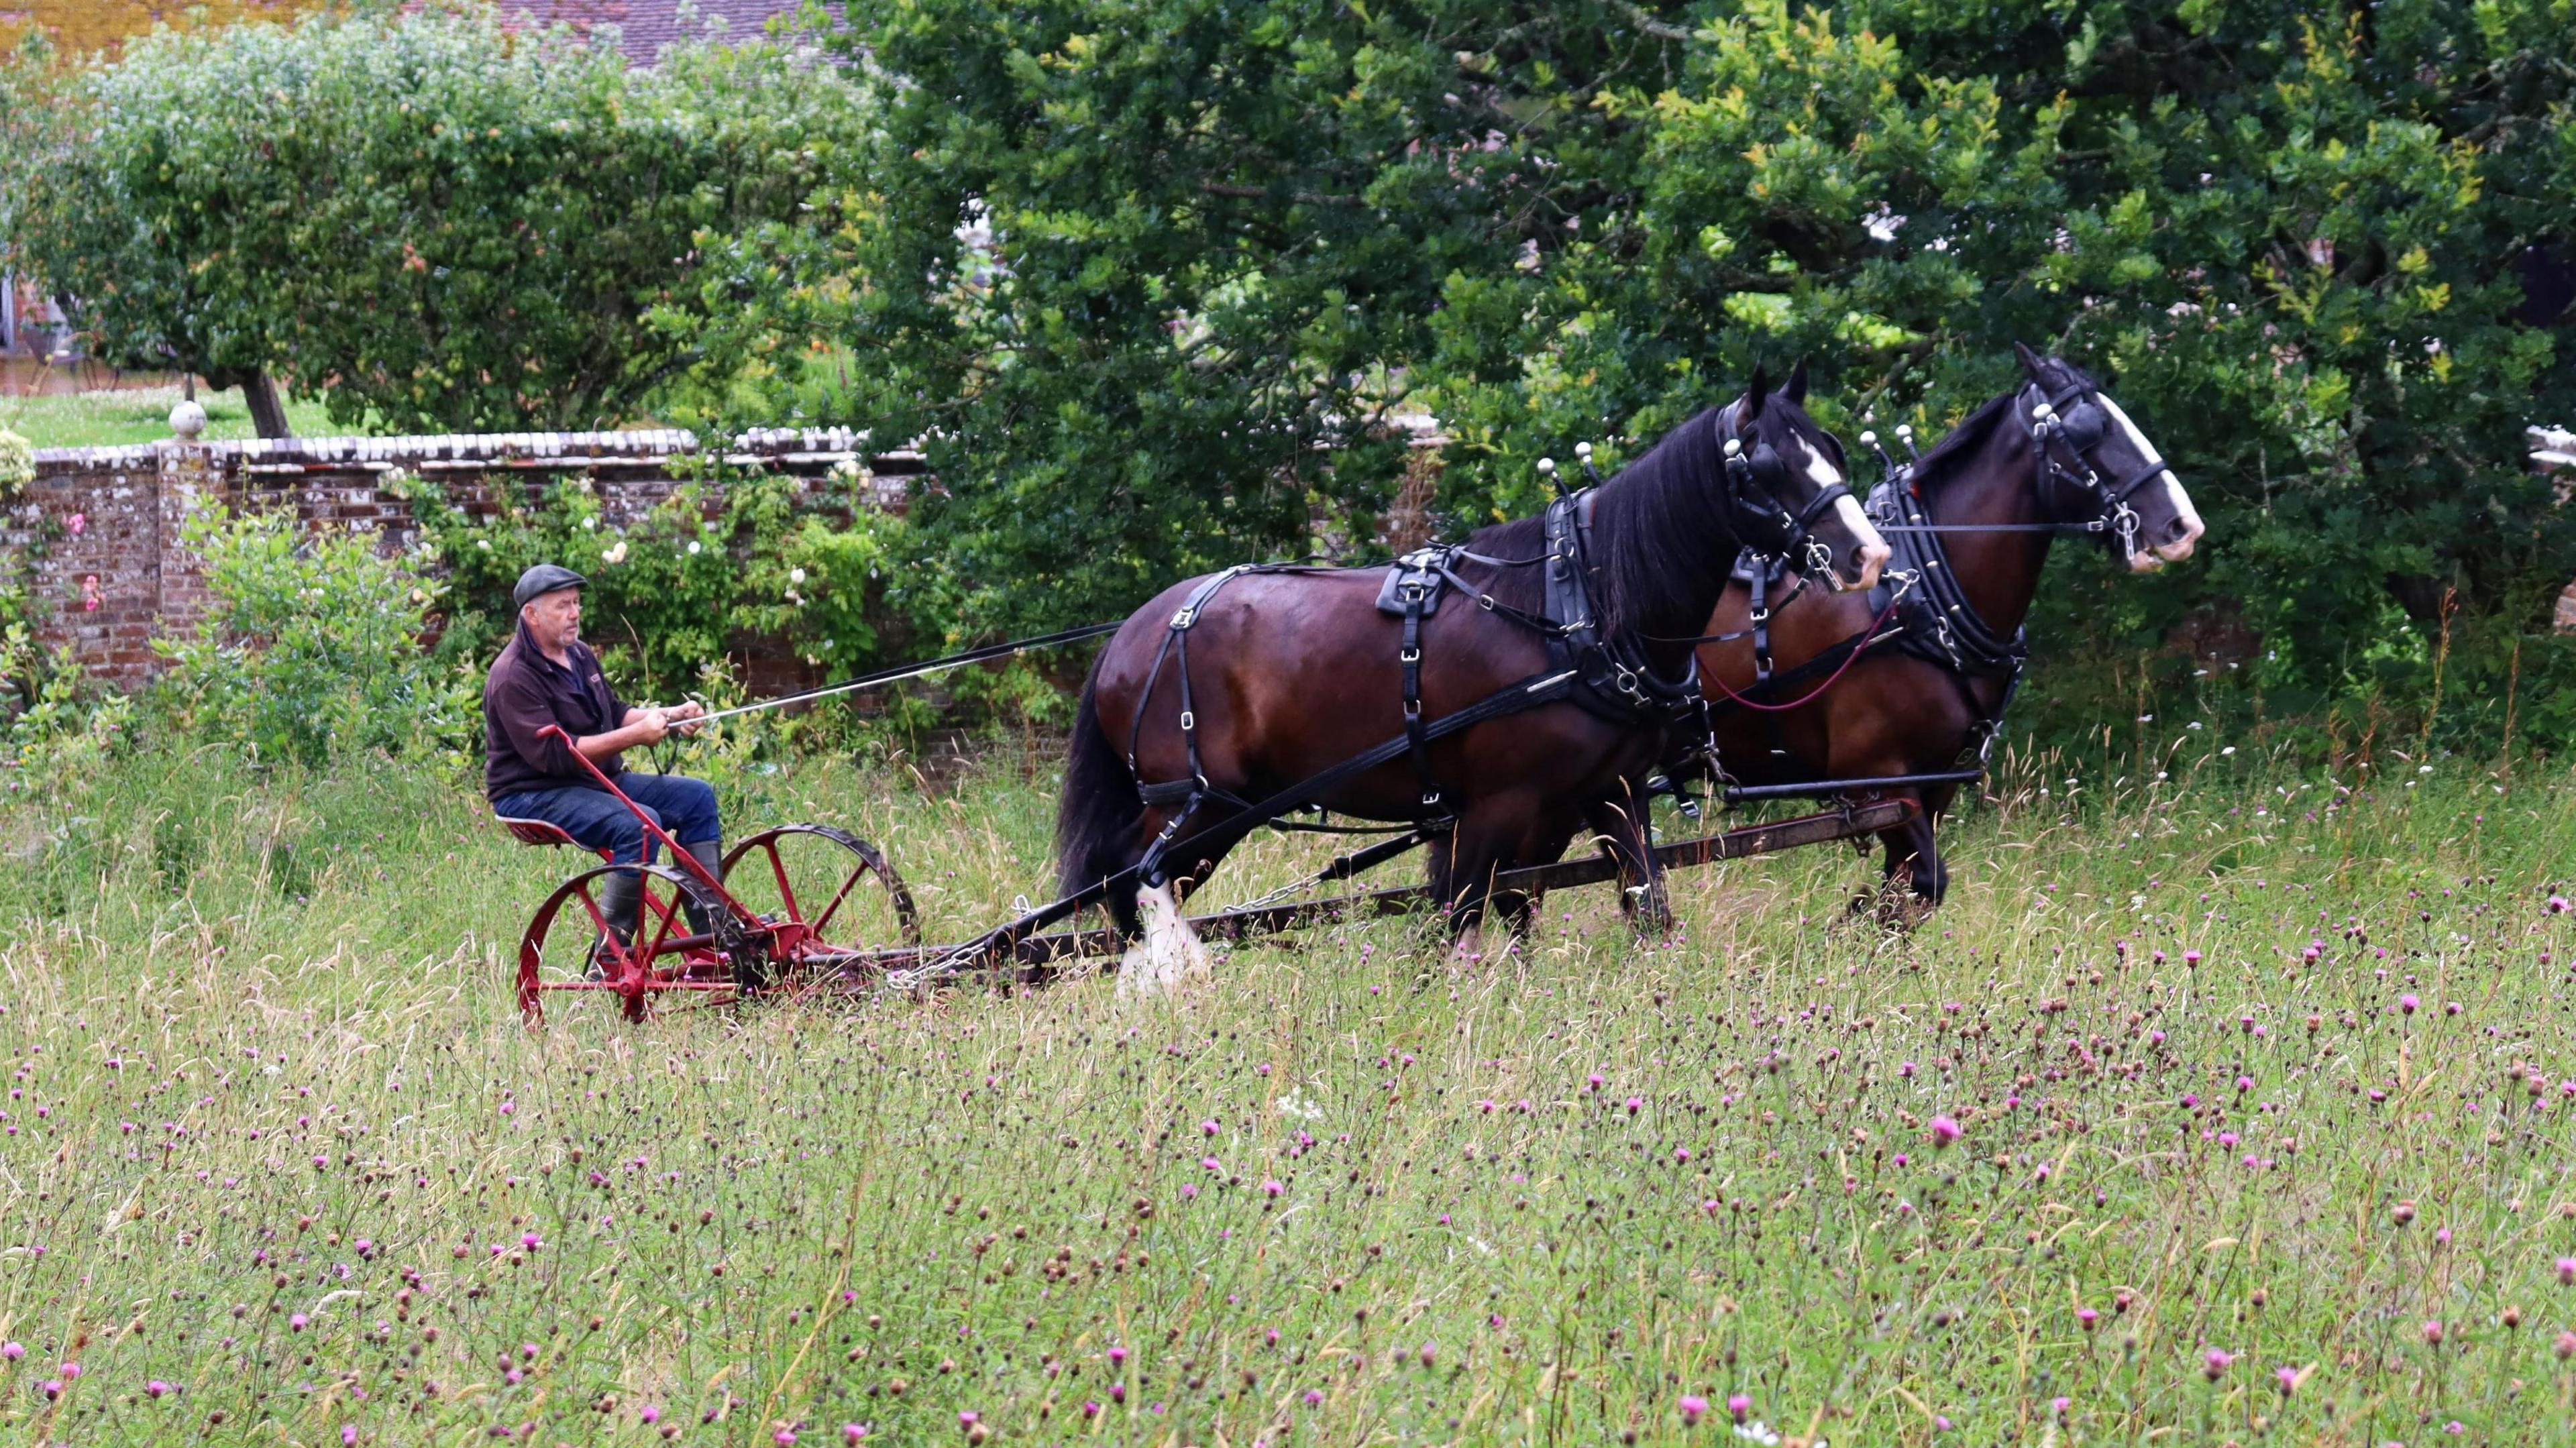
99	528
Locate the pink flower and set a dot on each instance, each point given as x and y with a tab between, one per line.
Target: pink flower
1207	1128
155	1388
1272	1188
297	1322
2216	1363
2288	1378
1314	1397
1681	1154
1739	1405
650	1415
2408	1003
853	1432
2191	957
1594	1081
12	1351
1693	1409
2086	1317
2433	1332
968	1419
79	524
784	1438
2566	1275
1944	1131
1427	1354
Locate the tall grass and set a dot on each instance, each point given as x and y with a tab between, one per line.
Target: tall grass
2261	1087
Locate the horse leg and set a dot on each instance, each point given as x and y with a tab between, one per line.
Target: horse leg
1482	845
1915	867
1643	895
1167	953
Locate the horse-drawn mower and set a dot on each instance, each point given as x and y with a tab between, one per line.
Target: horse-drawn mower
806	907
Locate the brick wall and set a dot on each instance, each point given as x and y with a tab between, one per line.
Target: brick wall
99	527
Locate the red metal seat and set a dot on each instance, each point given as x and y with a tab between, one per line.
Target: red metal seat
538	832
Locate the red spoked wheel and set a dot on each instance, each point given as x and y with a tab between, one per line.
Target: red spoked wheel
818	894
569	947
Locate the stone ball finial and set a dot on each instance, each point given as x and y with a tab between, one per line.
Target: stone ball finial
187	421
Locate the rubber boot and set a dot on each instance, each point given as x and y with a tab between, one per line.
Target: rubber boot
621	902
709	853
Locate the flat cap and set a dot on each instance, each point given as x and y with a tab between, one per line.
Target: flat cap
543	579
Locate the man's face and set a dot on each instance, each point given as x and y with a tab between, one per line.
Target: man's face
554	619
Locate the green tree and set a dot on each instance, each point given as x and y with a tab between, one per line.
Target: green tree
1145	276
2289	236
1150	275
428	218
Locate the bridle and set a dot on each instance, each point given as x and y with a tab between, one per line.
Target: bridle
1754	481
2076	432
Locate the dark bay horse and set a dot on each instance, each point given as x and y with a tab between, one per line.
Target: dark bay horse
1280	674
2054	452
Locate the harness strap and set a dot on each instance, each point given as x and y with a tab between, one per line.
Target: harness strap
1529	693
1409	662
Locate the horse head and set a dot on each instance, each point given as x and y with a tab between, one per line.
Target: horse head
2096	466
1789	488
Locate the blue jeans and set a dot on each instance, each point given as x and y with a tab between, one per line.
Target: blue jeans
684	807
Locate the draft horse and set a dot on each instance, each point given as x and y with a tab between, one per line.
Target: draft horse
1236	686
1971	523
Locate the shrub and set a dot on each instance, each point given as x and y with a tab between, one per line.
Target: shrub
429	219
311	647
17	462
59	732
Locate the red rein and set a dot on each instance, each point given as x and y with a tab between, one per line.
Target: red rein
1831	679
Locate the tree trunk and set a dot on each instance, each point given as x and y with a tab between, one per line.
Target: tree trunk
267	409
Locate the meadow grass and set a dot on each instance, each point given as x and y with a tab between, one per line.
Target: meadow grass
2230	1106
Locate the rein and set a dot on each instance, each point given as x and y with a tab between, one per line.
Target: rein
1857	645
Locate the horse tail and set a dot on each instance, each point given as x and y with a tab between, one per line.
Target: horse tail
1098	817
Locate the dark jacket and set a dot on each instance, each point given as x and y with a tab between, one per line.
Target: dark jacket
525	692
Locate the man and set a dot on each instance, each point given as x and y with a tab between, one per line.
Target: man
547	675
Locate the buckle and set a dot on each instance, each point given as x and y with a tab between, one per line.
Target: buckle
1189	721
1408	656
1413	708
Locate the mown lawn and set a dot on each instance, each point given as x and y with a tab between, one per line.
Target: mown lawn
2261	1088
137	415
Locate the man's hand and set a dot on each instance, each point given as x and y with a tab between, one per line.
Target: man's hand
648	725
678	716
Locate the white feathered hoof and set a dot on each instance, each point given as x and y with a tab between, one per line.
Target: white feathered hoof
1167	954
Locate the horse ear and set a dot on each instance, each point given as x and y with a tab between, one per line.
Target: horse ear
2030	361
1755	392
1796	390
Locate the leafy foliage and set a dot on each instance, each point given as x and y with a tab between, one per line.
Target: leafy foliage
309	649
428	218
17	462
1186	259
1174	249
705	570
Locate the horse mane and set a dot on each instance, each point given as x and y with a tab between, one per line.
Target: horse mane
1653	524
1942	464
